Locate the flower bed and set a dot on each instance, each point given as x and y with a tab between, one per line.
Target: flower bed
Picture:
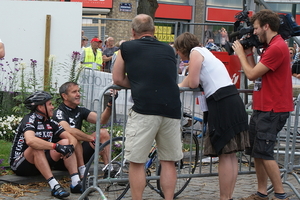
8	126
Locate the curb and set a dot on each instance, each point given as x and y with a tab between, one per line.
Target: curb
15	179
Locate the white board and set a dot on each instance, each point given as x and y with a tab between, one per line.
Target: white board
23	30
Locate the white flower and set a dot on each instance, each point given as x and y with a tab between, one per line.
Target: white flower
8	125
22	65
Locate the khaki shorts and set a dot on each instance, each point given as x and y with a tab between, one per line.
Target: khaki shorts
142	130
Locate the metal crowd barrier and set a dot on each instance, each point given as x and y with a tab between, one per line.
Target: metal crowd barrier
287	150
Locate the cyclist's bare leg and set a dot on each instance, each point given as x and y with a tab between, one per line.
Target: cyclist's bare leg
137	180
79	157
228	172
168	177
104	136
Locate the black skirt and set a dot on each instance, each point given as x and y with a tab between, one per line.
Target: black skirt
227	118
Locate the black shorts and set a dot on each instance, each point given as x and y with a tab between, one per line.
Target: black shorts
22	167
263	130
88	151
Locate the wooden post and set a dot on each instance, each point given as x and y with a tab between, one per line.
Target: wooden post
47	54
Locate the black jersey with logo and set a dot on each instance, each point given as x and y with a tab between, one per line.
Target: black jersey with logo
73	116
44	129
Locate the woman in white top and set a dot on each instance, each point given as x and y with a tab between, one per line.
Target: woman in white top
227	118
2	50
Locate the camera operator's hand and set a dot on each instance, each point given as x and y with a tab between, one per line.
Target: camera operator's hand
66	150
238	48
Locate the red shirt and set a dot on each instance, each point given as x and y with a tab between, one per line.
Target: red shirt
276	93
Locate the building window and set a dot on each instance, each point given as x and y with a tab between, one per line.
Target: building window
225	3
186	2
164	32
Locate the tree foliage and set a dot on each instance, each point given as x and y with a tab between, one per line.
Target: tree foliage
148	7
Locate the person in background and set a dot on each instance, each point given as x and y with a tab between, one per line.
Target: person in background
2	49
183	67
84	41
92	54
115	55
209	41
295	45
227	117
272	99
223	37
208	34
156	112
33	151
296	72
108	53
292	54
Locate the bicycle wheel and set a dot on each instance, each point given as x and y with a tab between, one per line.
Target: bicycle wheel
187	165
107	180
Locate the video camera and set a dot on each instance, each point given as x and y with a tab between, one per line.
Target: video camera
288	28
244	33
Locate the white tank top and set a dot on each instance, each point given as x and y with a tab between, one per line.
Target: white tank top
213	74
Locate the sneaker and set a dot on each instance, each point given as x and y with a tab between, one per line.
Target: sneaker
274	198
77	188
59	192
254	197
112	174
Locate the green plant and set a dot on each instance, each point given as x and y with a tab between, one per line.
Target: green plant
20	107
73	67
76	67
20	81
117	131
5	148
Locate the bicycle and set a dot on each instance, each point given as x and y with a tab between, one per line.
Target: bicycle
117	184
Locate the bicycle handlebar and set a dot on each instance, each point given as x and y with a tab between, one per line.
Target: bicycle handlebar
191	117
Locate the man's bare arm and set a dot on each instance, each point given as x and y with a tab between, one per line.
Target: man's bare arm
78	134
2	50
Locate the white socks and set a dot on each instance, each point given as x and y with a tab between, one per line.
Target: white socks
52	182
81	170
75	179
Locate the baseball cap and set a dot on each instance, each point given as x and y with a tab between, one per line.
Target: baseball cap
96	40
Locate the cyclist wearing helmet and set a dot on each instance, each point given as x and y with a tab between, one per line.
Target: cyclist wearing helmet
33	152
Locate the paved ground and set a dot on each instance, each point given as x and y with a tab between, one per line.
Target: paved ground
204	188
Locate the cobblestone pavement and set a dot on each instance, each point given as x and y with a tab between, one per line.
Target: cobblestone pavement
204	188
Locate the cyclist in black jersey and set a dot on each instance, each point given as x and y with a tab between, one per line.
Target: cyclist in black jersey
33	151
70	116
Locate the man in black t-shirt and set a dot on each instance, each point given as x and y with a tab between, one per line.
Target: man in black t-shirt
70	116
148	67
33	151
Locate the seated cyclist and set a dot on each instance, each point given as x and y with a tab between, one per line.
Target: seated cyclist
33	152
70	115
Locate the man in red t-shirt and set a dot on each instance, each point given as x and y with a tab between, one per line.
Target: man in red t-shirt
272	99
